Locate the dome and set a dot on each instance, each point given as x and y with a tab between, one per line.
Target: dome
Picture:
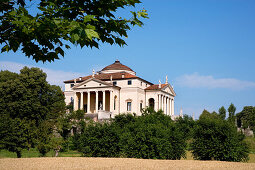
117	67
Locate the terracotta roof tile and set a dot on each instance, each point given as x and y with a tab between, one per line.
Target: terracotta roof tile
117	66
155	87
115	76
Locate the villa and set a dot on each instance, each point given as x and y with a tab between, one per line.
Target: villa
116	89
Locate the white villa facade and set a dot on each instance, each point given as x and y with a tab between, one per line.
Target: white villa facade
116	89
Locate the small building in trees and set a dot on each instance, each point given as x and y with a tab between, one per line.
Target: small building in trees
116	89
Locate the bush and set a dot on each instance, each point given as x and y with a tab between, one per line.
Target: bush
217	139
151	136
99	140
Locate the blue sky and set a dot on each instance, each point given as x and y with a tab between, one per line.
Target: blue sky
206	47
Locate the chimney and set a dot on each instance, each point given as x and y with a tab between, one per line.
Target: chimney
80	78
159	85
123	76
166	79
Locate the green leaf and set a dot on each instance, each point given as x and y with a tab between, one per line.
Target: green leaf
91	34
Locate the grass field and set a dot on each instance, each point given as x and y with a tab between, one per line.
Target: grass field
115	163
34	153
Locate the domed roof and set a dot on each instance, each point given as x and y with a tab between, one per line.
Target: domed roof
117	66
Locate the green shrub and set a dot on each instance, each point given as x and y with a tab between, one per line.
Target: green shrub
217	139
99	140
150	136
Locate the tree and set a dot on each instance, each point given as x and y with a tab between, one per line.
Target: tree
217	139
30	102
231	112
12	135
186	125
246	118
205	114
59	23
222	112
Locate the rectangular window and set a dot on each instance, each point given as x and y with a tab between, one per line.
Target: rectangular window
141	83
129	82
128	106
115	83
141	106
71	85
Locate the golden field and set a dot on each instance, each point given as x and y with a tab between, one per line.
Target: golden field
115	163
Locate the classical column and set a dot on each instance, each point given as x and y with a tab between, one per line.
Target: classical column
96	101
111	101
75	104
81	105
157	105
173	107
169	111
104	100
88	103
170	106
166	98
163	103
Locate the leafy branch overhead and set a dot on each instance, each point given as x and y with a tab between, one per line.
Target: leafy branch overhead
57	23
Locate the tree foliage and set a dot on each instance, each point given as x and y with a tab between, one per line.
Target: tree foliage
231	113
150	136
246	118
58	23
217	139
186	125
222	113
30	103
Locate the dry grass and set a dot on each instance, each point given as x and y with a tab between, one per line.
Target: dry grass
115	163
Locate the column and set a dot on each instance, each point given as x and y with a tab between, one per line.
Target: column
157	101
161	101
96	101
166	106
111	101
169	109
104	100
81	101
75	102
172	106
88	103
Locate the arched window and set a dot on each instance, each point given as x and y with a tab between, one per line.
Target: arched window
114	103
151	103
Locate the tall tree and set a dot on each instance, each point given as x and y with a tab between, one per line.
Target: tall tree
28	101
231	112
222	112
59	23
246	118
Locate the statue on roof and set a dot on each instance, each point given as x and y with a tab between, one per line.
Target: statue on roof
93	73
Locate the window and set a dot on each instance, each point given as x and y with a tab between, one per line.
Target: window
71	85
115	83
128	106
141	106
146	85
71	100
141	83
129	82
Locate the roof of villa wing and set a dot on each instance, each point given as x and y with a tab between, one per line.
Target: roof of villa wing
107	77
156	87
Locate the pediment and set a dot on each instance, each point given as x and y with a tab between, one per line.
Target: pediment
92	83
169	89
